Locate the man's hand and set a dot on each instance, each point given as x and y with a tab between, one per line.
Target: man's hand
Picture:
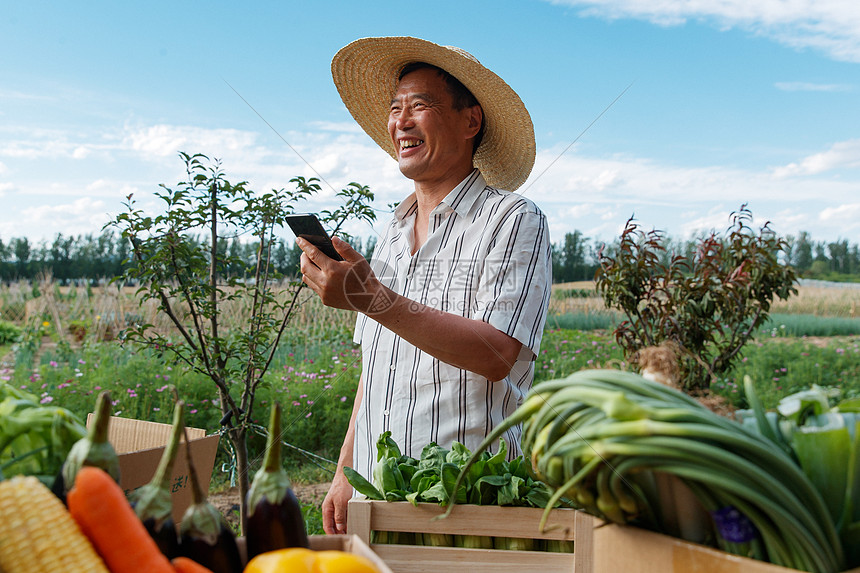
463	342
349	284
334	505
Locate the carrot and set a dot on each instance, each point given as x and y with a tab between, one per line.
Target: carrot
105	516
186	565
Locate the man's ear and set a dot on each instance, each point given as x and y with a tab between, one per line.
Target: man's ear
475	117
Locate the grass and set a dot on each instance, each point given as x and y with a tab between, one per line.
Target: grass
834	301
583	321
810	325
781	366
778	324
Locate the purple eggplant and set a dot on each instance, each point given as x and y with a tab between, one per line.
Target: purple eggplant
204	534
152	502
274	517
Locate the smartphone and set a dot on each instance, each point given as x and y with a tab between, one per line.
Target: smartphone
308	227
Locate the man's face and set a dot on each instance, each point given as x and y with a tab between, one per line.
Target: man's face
432	140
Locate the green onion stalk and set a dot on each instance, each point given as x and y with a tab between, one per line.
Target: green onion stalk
599	438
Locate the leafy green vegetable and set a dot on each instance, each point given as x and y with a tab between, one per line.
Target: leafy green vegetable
824	441
386	447
363	486
491	480
34	438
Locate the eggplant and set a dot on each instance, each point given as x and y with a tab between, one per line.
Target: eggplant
204	534
274	516
94	449
153	503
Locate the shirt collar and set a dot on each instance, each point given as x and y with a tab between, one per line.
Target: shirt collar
461	199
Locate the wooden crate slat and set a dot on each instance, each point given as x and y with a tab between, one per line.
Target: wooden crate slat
414	559
493	521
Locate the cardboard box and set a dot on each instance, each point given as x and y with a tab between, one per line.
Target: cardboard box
140	444
632	550
364	516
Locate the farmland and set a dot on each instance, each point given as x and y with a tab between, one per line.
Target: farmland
69	348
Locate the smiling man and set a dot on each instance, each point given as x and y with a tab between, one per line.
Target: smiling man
452	305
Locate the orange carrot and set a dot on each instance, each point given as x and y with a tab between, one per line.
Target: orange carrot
186	565
103	513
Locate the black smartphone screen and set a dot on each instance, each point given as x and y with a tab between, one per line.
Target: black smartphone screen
308	227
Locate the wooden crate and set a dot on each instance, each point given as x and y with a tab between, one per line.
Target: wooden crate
619	548
364	516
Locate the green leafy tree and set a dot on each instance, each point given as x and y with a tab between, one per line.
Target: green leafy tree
709	303
21	249
839	256
803	252
189	280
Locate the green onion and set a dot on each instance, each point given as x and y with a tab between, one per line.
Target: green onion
599	437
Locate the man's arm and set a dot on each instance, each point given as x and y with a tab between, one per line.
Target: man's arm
334	505
466	343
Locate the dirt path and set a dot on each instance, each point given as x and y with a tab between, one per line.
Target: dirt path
227	501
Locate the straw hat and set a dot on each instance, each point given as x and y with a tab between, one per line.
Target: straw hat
365	73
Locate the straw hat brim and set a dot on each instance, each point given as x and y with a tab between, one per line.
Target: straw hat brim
365	73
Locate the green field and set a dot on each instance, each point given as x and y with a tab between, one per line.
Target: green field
316	370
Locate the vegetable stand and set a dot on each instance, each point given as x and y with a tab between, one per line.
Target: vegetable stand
365	516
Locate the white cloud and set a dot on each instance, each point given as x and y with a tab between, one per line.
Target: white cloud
81	152
6	94
843	218
111	189
811	87
160	141
36	143
830	26
717	219
341	127
82	216
841	155
677	199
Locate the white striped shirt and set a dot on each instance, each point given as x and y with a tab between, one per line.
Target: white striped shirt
486	257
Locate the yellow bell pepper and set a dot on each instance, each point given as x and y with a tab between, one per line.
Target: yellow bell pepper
301	560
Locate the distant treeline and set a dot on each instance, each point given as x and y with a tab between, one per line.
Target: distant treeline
94	257
574	258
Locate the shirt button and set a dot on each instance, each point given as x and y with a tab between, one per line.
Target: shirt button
385	412
391	367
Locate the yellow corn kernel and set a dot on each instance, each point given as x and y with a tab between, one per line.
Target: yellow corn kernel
37	533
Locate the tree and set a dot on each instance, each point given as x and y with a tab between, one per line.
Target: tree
369	246
707	304
61	257
839	253
21	249
573	254
570	260
188	280
802	259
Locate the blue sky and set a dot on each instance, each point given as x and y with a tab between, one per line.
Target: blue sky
731	102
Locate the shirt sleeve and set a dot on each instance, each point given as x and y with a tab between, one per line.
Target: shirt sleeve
517	278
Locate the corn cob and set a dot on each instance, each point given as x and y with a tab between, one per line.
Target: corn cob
37	533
